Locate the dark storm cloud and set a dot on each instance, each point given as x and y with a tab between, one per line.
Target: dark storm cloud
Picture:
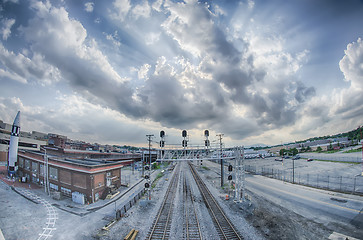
166	101
302	92
213	100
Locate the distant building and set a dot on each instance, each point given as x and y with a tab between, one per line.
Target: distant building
26	141
57	140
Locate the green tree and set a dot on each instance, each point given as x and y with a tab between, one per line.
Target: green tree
303	149
293	151
319	149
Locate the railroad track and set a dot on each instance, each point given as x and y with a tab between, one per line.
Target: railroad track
162	223
224	226
192	227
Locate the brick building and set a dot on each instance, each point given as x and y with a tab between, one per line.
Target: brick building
86	174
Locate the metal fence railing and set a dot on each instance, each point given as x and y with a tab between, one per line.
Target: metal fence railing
334	158
351	185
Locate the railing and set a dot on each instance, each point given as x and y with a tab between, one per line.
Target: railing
351	185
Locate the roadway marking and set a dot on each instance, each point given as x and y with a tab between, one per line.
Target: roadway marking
339	236
51	213
307	198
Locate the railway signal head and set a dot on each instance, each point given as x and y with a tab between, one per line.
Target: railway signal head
229	177
147	167
147	185
230	168
162	143
184	133
184	143
146	176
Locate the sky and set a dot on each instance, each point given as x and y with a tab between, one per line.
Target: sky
256	71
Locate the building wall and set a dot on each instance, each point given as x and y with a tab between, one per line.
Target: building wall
67	181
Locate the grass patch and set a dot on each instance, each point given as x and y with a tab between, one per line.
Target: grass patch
336	161
156	179
332	151
204	167
353	150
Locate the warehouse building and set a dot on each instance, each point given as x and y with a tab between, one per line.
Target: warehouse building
80	175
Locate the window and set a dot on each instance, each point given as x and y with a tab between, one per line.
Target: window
66	191
41	169
27	164
21	162
53	186
29	145
53	173
34	167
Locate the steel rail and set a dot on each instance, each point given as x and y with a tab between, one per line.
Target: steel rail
192	228
223	225
161	226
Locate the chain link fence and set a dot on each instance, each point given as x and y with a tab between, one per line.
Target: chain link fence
351	185
334	158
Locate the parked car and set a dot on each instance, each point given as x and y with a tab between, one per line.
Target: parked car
278	159
309	159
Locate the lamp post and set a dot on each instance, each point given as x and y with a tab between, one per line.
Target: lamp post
221	158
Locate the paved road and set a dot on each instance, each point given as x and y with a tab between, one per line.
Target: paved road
318	205
321	206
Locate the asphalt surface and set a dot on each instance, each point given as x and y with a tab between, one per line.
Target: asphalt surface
325	207
322	206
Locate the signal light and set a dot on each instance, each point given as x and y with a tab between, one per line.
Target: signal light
229	177
184	133
146	176
230	168
147	185
147	167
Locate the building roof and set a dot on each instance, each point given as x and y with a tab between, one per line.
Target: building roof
77	164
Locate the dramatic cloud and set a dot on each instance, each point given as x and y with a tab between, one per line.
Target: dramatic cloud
349	101
6	29
247	69
21	68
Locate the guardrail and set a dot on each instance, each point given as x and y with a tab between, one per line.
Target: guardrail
351	185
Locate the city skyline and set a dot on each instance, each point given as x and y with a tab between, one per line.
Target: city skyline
260	72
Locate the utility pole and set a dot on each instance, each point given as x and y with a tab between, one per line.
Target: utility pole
221	158
149	138
293	170
361	140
